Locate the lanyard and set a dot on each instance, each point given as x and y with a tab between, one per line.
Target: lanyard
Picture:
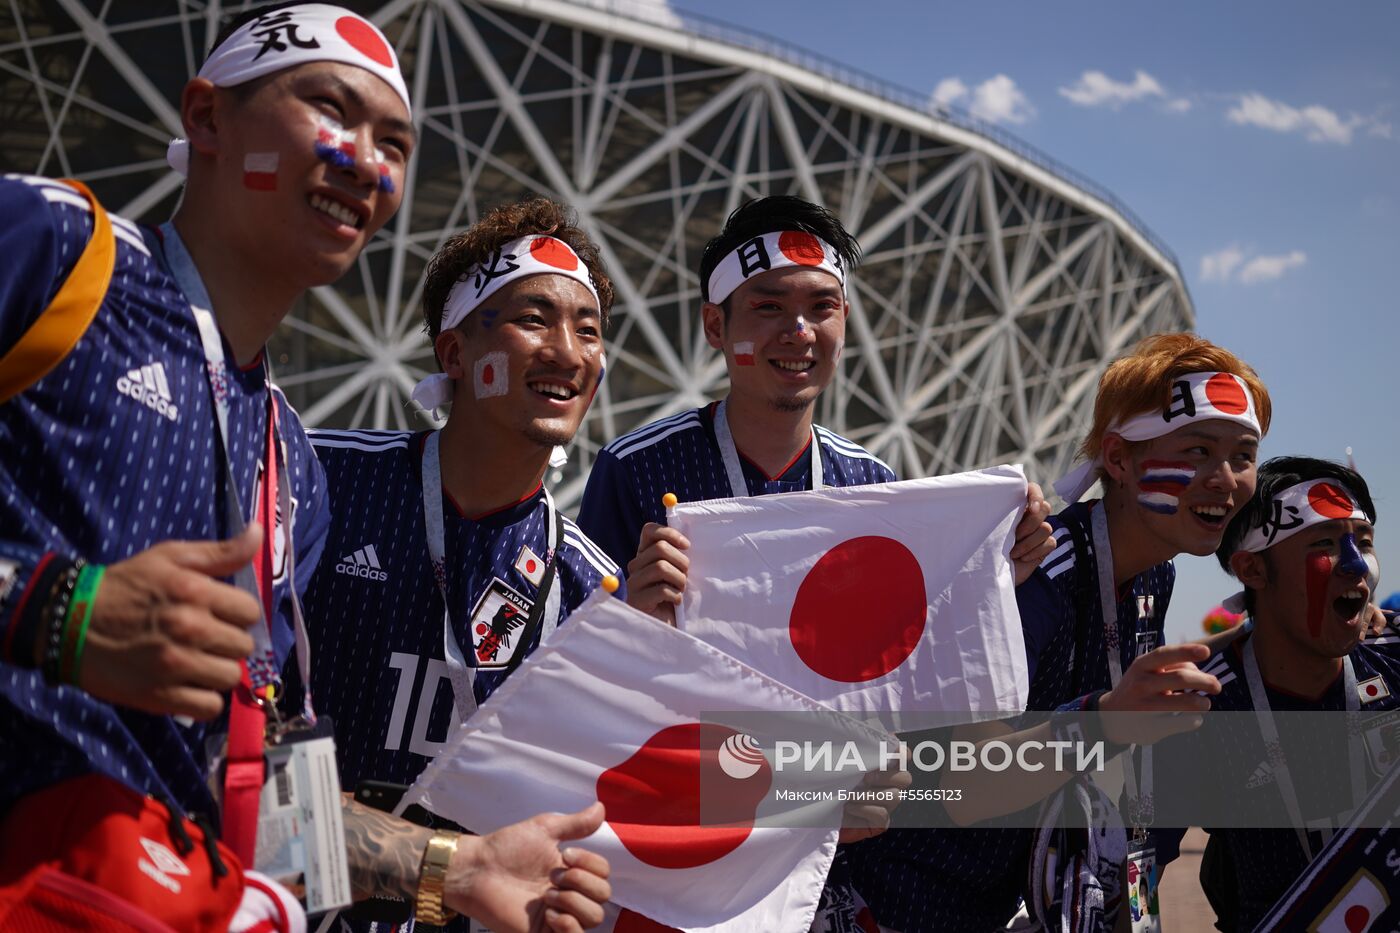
738	487
262	668
1268	731
461	672
1140	804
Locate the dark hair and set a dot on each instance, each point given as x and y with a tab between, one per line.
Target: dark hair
474	246
770	215
1275	476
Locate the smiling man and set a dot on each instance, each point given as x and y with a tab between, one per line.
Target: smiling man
1304	548
141	447
516	306
1176	431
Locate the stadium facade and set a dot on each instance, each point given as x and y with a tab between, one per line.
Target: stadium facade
996	284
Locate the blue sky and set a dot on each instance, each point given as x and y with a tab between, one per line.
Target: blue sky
1262	145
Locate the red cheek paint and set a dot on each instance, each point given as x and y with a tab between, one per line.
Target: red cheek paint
1319	574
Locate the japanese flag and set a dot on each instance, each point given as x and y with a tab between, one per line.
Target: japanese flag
618	707
870	599
1356	908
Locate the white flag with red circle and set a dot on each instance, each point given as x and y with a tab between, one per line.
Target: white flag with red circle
618	707
870	599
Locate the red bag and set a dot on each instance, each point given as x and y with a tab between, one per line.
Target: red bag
92	854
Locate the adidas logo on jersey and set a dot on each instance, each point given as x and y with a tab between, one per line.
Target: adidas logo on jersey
147	385
363	563
1264	774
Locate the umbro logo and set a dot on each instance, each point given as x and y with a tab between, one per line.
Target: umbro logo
362	563
162	864
147	385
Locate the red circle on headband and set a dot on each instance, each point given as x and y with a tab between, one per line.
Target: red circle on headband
801	247
1226	394
554	253
365	39
1330	501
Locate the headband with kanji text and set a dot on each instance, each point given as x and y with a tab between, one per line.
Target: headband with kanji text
777	250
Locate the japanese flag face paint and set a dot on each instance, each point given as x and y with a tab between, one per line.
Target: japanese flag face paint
489	375
743	353
260	171
1161	484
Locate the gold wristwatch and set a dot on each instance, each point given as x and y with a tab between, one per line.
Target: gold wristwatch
432	877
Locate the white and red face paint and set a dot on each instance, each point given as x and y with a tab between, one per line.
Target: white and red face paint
260	171
335	145
743	353
1318	574
1161	483
490	377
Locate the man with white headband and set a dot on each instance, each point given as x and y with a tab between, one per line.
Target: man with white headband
447	561
774	287
145	459
1176	428
1304	548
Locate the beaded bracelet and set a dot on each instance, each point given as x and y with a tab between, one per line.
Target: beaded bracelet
56	620
79	616
27	623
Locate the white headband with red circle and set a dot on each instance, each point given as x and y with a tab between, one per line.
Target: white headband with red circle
1298	508
1195	397
777	250
521	258
296	35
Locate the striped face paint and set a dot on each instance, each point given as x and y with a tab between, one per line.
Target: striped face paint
743	353
1318	575
334	145
1161	483
801	326
386	182
260	171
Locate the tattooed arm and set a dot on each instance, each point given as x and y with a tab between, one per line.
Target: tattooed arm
515	879
384	852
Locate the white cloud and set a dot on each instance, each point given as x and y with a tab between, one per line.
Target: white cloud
1178	105
1316	122
1218	266
1268	268
1380	129
1230	265
999	100
1096	89
996	100
948	91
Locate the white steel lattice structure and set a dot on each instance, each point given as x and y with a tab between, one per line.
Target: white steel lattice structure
994	289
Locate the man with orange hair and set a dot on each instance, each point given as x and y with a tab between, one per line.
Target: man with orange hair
1176	431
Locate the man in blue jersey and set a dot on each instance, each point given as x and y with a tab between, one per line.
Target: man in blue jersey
774	288
1176	430
516	306
132	458
1304	548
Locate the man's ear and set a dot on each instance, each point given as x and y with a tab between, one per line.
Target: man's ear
713	317
451	349
1117	457
198	112
1250	568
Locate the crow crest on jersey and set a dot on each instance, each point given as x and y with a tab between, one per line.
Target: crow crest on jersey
498	619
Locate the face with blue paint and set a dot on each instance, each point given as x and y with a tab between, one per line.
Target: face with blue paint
1314	586
1184	487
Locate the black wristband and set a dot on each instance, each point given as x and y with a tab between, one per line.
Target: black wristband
28	624
1082	725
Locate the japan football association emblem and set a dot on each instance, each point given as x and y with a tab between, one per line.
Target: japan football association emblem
498	625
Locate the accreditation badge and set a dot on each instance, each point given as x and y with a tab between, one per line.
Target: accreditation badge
1141	893
301	835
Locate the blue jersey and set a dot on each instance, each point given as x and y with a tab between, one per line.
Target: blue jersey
375	612
112	452
1265	862
680	455
970	879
